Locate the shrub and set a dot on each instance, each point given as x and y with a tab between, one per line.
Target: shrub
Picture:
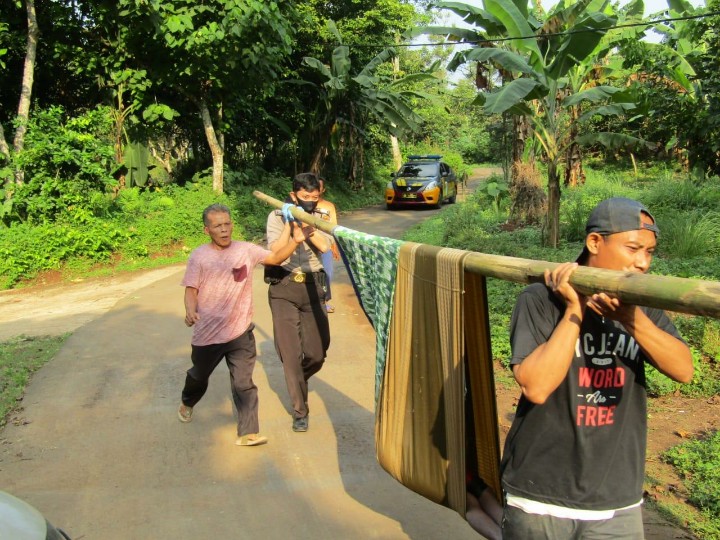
711	339
26	250
672	194
66	162
138	223
696	461
706	381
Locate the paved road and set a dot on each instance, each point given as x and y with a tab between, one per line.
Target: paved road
100	450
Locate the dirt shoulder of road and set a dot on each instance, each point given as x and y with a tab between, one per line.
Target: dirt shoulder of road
61	308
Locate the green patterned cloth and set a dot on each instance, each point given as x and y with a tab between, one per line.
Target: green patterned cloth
372	263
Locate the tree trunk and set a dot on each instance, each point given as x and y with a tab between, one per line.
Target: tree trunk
357	165
519	136
521	133
27	84
4	148
574	173
119	120
216	148
397	157
318	159
552	229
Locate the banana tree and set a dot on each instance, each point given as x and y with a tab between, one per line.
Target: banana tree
350	99
664	77
540	60
483	31
600	67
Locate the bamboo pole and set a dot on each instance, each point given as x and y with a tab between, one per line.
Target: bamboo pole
692	296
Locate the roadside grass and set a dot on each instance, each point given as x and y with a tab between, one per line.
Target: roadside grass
696	461
19	359
688	214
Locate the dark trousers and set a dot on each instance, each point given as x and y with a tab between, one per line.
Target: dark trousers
302	335
240	356
519	525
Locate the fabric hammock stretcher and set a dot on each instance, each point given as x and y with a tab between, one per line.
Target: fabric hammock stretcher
433	350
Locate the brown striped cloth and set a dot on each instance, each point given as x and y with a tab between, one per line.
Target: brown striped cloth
438	355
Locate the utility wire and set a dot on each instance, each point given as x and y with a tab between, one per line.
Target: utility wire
550	34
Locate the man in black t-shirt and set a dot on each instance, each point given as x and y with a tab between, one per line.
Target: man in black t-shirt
573	464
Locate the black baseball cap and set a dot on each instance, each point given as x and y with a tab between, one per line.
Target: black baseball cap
617	215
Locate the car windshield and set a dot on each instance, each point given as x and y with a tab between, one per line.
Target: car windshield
419	169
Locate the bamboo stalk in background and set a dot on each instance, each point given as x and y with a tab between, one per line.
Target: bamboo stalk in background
692	296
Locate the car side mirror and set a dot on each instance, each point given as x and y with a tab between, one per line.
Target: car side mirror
392	175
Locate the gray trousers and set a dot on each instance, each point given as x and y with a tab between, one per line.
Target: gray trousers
519	525
240	356
302	335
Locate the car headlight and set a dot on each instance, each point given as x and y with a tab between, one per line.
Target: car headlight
430	185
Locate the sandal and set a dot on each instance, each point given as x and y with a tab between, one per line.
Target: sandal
252	439
185	413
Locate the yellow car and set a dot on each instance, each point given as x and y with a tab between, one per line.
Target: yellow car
422	181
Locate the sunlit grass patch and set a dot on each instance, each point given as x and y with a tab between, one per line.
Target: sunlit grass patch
697	463
689	234
19	359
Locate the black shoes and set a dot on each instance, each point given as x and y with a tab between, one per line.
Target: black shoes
300	424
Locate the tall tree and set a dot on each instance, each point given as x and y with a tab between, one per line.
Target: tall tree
26	87
703	135
601	67
197	56
673	85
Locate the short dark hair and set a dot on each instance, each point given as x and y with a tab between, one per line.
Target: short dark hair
215	207
309	181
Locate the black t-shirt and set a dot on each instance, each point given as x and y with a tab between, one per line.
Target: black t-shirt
584	447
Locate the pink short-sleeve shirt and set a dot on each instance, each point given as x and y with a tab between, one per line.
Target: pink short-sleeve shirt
223	278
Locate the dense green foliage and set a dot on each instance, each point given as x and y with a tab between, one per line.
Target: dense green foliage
67	163
697	462
167	82
142	109
138	226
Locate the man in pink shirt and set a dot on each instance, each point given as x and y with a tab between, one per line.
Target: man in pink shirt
219	307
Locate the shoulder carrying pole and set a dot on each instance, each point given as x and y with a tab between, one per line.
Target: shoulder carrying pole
692	296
